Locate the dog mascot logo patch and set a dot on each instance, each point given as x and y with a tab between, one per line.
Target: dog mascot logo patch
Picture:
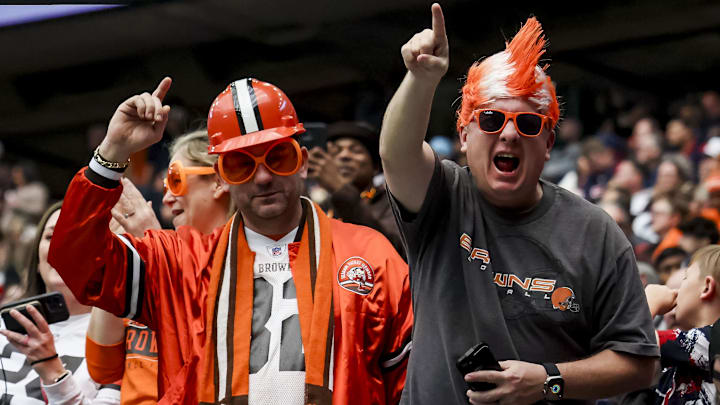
356	275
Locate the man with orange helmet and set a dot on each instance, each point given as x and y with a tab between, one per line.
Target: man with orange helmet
282	305
543	277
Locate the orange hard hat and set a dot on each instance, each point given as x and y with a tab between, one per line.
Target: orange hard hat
250	112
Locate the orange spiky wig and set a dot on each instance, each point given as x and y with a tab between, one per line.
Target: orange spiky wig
513	72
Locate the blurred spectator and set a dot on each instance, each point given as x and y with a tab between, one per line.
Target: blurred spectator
669	261
23	206
711	106
681	138
628	175
711	148
648	154
620	215
674	175
644	127
10	287
619	196
48	363
710	127
711	208
347	170
443	146
566	150
668	211
647	274
697	233
593	170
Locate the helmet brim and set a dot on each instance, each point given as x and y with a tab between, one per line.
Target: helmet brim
255	138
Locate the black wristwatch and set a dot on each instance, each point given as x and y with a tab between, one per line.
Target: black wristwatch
554	384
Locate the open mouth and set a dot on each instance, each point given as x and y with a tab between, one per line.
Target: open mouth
506	162
177	212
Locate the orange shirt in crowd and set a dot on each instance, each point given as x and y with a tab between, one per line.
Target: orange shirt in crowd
672	238
134	362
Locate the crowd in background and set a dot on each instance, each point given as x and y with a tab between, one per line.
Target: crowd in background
660	182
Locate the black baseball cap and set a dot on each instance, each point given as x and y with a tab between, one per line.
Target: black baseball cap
361	131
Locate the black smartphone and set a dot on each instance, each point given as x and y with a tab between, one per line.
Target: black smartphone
51	306
478	357
315	135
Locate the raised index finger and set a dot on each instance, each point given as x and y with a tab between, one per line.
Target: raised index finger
162	88
438	22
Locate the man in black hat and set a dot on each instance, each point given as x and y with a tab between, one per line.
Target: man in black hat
346	170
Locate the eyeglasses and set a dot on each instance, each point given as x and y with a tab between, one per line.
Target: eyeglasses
528	124
282	157
176	180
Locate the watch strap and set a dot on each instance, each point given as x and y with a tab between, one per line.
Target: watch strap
551	370
553	389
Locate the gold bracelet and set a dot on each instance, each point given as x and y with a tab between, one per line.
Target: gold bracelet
108	164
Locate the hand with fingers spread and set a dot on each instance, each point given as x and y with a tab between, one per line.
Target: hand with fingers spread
519	383
323	169
37	345
426	54
137	123
132	212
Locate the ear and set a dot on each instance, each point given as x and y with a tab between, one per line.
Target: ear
549	144
220	187
216	167
709	288
304	168
463	139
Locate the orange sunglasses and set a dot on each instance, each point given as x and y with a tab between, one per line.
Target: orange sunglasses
176	180
528	124
283	158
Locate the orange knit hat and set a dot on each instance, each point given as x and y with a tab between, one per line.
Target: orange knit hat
513	72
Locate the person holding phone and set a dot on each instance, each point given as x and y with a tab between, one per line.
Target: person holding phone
49	361
498	255
347	171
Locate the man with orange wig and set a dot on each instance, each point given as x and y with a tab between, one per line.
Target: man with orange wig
499	256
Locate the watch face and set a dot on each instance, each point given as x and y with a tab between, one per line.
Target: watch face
555	387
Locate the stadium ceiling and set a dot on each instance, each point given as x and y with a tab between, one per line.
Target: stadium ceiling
59	76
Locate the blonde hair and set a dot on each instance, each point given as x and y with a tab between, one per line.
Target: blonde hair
708	261
194	146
